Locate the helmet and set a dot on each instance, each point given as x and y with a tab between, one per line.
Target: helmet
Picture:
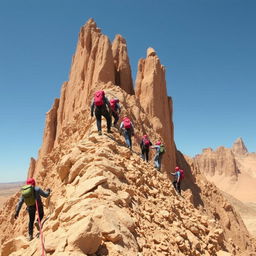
158	143
31	181
177	168
145	136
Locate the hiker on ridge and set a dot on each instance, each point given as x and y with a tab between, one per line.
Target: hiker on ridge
144	146
128	130
30	194
159	154
115	110
100	103
178	176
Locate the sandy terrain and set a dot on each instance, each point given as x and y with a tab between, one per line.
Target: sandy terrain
247	212
8	189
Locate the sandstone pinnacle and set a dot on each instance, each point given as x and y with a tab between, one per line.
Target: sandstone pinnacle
239	147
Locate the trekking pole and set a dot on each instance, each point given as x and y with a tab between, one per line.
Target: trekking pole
41	232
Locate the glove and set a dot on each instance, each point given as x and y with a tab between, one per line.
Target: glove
16	215
48	190
91	115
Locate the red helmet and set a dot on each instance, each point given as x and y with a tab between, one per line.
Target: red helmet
31	181
177	168
158	143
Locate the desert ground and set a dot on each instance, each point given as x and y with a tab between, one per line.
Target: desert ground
247	212
8	189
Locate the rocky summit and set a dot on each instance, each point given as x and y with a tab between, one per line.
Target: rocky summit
105	199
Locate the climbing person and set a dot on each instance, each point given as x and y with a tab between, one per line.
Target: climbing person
126	127
144	146
160	150
115	110
30	194
102	108
178	177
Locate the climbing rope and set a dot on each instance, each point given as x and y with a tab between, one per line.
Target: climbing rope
41	231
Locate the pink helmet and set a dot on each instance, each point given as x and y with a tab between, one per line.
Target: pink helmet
145	136
31	181
158	143
177	168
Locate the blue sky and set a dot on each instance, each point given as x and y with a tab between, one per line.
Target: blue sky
208	49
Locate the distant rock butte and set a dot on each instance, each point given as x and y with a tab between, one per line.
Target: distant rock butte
232	170
106	200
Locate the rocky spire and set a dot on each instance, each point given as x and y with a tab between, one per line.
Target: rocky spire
92	64
152	94
32	167
123	74
239	147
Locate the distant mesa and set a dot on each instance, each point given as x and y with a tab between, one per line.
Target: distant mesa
233	169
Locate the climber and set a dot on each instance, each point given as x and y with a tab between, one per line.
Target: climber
178	177
128	130
100	103
115	110
160	150
144	146
30	194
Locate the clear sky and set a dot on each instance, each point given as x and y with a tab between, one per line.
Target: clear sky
208	49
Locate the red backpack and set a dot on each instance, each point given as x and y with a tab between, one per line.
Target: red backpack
146	141
113	103
127	123
99	98
182	174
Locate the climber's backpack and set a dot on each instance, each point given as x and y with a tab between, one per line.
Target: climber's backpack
146	142
182	174
113	103
99	98
162	149
127	123
28	193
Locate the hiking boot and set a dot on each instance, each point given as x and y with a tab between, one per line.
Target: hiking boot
37	225
109	131
100	132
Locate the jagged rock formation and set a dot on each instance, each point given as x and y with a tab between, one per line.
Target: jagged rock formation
220	162
151	91
123	73
239	147
232	170
106	200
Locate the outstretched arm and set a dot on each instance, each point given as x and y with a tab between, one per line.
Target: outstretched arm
44	193
18	207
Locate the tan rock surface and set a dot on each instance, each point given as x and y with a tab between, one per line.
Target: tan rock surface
106	200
